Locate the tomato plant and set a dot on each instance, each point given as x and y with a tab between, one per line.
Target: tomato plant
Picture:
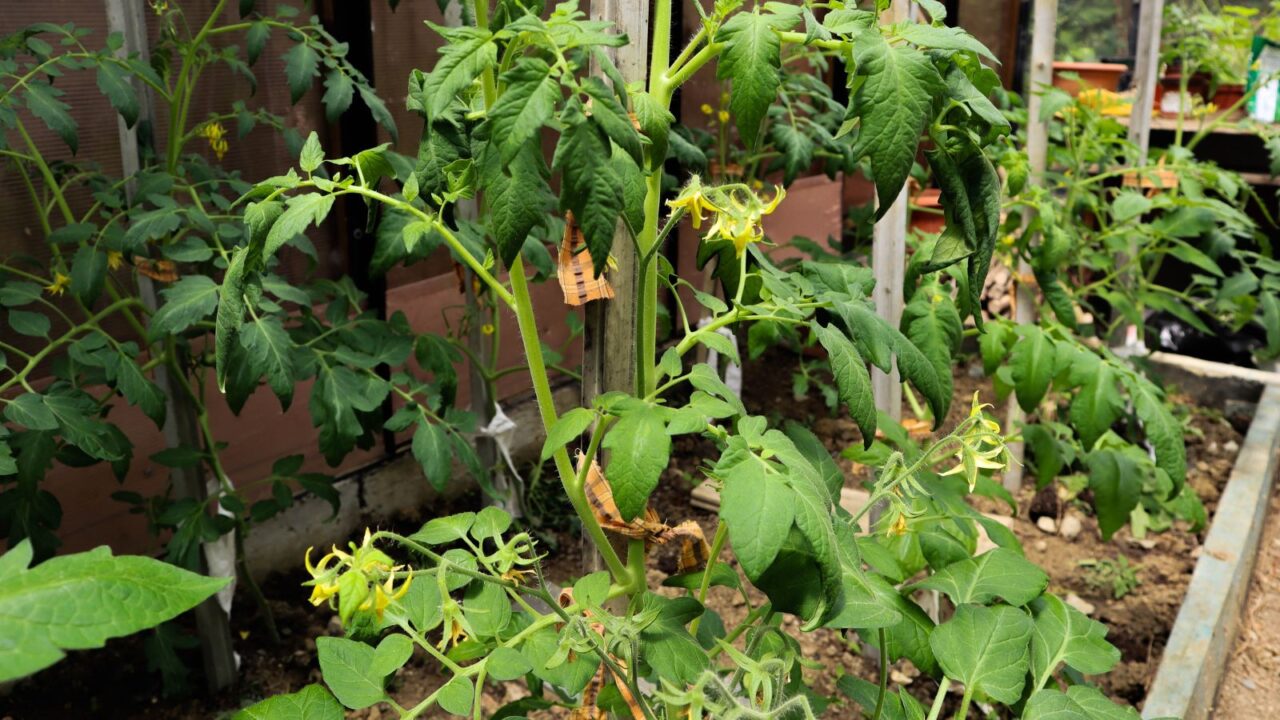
469	589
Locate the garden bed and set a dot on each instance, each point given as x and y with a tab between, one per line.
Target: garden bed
115	683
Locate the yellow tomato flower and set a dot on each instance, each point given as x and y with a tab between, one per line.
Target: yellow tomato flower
516	575
706	109
383	595
456	634
899	527
321	592
59	284
739	215
487	328
115	259
694	201
216	135
723	116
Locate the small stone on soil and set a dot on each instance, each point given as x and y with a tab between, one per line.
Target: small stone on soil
1041	546
1247	682
1046	524
1081	604
1231	446
899	678
1071	527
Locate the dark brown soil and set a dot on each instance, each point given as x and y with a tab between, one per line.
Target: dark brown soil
115	683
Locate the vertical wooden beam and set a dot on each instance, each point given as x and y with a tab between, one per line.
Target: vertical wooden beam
888	258
888	253
609	334
1044	21
213	626
1145	75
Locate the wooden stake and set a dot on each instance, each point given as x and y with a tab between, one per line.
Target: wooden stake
212	624
1145	76
609	333
888	253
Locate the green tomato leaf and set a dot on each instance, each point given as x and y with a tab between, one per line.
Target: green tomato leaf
1079	702
43	102
231	307
506	664
852	379
758	508
302	212
752	61
1117	484
271	352
613	118
468	53
186	302
566	428
893	104
526	104
115	83
1162	429
1032	363
666	644
519	199
1096	406
444	530
431	449
639	450
997	573
987	649
301	67
29	411
79	601
941	37
339	91
355	672
312	155
312	702
1062	634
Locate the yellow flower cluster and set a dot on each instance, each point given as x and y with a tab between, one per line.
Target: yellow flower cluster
738	211
366	572
58	285
982	448
217	137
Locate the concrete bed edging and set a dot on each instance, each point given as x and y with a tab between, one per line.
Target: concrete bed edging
1195	657
372	496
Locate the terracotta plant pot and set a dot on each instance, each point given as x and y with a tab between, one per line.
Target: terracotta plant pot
927	216
1227	95
1101	76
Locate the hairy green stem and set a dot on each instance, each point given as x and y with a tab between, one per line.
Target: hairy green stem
935	711
884	673
530	336
717	544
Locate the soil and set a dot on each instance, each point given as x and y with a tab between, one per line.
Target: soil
1250	690
115	682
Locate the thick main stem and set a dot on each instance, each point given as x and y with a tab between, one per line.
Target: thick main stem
547	409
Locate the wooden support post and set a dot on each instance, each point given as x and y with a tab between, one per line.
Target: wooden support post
888	253
609	334
1145	76
888	262
1044	20
180	430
